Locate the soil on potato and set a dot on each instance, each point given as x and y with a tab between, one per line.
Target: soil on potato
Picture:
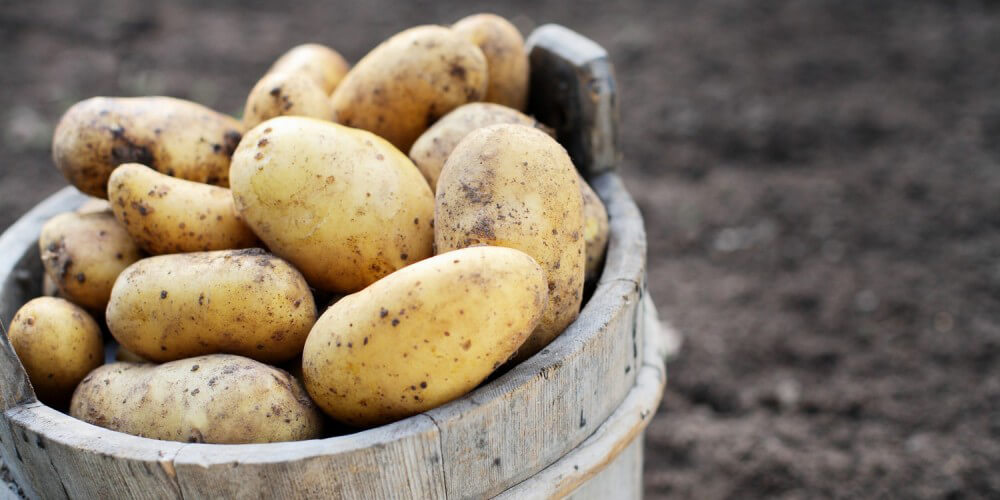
821	187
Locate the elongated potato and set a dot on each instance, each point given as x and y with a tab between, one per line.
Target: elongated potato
422	336
343	205
320	63
179	138
83	255
433	146
286	94
244	302
514	186
58	344
409	81
503	46
595	230
164	214
219	398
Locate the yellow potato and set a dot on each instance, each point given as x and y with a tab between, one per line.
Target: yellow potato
58	344
514	186
286	94
83	255
164	214
123	354
322	64
219	398
595	230
433	147
244	302
179	138
94	205
343	205
422	336
503	46
409	81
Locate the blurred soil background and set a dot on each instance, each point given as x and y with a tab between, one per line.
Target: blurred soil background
820	182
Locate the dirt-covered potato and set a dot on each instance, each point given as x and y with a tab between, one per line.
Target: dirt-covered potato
286	94
409	81
434	145
503	46
58	344
219	398
164	214
320	63
424	335
595	230
245	302
83	255
179	138
343	205
514	186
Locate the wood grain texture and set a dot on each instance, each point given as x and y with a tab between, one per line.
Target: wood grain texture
573	90
621	479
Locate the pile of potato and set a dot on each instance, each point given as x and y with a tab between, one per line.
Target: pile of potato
221	241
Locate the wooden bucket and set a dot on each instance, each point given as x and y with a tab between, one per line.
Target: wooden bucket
568	421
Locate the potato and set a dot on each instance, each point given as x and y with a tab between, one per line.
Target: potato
286	94
164	214
123	354
58	344
343	205
49	287
179	138
245	302
219	398
94	205
595	230
409	81
422	336
506	58
433	146
320	63
84	253
514	186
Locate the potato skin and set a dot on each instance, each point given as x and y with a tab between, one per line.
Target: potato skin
179	138
83	254
595	230
244	302
320	63
434	145
409	81
94	205
58	344
343	205
164	214
503	46
286	94
514	186
422	336
218	398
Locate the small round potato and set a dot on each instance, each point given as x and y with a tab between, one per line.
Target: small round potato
94	205
84	253
164	214
409	81
219	398
179	138
343	205
320	63
595	230
424	335
244	302
433	147
514	186
286	94
503	46
58	344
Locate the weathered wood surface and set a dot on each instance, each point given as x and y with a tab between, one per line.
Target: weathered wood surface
573	91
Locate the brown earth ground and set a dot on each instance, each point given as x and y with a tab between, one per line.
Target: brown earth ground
821	187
